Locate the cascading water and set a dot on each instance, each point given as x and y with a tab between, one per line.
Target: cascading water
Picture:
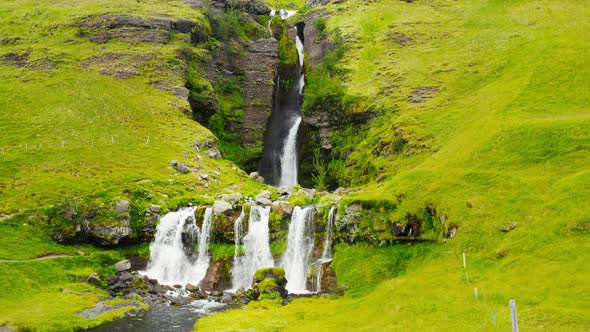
289	157
279	161
257	253
171	252
296	258
203	258
327	252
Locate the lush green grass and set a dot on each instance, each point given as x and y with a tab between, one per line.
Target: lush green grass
503	136
73	131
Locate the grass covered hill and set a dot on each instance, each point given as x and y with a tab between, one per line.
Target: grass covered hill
80	115
480	110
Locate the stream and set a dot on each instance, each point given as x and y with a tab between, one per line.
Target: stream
165	318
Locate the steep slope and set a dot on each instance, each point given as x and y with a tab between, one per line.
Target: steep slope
479	111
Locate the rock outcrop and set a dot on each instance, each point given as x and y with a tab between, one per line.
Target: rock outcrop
100	29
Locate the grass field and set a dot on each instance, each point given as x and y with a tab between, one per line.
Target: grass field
490	99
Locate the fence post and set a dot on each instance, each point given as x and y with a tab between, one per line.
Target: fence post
513	315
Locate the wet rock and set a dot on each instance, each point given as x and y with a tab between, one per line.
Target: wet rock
264	194
222	207
218	276
122	207
122	265
227	298
191	288
216	293
322	272
283	208
508	227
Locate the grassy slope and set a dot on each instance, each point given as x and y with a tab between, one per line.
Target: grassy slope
508	133
84	110
41	107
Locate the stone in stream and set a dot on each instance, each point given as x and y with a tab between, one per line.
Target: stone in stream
191	288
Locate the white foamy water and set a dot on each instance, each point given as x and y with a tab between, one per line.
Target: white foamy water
296	258
256	249
171	260
289	158
327	252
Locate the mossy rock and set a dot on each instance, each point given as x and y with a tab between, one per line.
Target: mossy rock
268	272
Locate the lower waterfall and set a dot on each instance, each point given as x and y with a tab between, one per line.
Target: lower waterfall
296	258
256	248
172	261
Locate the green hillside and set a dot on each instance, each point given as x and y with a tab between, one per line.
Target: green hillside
473	114
487	101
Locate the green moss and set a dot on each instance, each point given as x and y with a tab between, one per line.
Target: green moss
267	285
260	273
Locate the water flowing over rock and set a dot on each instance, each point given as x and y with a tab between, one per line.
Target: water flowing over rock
256	248
327	252
172	260
296	258
279	164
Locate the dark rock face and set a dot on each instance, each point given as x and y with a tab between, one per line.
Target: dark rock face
218	276
254	70
101	29
322	278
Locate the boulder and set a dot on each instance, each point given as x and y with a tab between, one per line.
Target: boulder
269	281
154	208
213	153
191	288
285	191
122	265
232	198
122	206
182	168
255	176
283	208
308	192
222	207
218	276
264	198
263	201
508	227
94	279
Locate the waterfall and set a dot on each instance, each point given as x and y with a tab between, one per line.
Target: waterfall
327	252
172	251
278	165
296	259
257	253
289	157
203	258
